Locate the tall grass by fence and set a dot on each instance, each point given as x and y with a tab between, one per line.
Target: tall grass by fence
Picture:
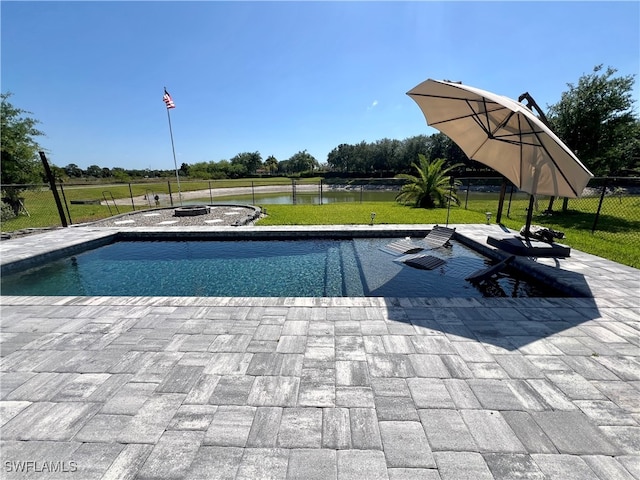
608	205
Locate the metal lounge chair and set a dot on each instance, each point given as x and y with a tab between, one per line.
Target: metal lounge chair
437	237
485	273
423	262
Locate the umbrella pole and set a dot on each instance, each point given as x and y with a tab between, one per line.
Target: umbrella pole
503	191
452	182
527	227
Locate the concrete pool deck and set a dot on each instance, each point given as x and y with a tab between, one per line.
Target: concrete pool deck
327	388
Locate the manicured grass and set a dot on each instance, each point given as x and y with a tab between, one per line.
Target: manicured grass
619	242
44	213
617	236
360	214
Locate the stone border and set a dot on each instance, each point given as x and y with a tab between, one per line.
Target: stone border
567	282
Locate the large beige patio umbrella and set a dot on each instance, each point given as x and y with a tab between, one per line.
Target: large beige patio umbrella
504	135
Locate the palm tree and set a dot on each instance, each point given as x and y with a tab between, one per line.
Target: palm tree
271	163
432	184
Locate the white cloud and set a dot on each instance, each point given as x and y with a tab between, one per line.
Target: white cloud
373	105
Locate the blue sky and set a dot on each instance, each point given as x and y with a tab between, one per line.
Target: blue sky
281	77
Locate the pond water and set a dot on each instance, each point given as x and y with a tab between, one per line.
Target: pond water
302	198
314	197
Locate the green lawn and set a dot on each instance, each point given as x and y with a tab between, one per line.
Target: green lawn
43	212
617	236
360	214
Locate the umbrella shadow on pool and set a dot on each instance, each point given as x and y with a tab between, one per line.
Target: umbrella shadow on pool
506	322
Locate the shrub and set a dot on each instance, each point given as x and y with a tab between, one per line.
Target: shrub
7	212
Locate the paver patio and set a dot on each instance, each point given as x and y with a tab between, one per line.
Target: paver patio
326	388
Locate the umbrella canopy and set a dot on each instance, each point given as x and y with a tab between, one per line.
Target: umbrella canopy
504	135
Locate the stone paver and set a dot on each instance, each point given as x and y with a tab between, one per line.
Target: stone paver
148	424
300	428
361	465
312	464
336	428
216	463
573	433
462	466
564	467
491	432
328	388
513	465
230	426
266	423
267	463
129	462
405	445
446	430
172	455
532	436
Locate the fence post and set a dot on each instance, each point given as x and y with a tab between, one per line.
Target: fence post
293	190
210	193
170	194
595	220
54	190
550	207
253	194
66	204
466	200
321	191
133	205
503	192
510	197
451	182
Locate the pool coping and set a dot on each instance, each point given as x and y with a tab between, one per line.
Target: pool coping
579	275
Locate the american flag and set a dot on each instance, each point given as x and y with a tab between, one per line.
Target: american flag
168	100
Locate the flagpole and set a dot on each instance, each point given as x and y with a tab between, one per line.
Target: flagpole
173	149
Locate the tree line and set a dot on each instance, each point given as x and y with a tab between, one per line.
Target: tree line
596	118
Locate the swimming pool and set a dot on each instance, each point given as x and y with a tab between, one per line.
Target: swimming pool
261	268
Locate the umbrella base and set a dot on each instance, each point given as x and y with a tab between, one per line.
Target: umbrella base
527	247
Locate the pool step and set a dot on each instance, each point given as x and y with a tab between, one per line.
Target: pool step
333	274
351	279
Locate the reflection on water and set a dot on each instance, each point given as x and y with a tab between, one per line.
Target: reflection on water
315	197
301	198
287	268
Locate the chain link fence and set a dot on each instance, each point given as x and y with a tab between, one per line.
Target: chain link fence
607	205
616	202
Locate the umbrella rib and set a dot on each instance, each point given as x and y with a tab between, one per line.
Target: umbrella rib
447	97
553	160
521	166
516	134
452	119
516	141
486	115
476	118
473	113
494	118
503	124
490	134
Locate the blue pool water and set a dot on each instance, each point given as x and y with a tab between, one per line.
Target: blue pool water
295	268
